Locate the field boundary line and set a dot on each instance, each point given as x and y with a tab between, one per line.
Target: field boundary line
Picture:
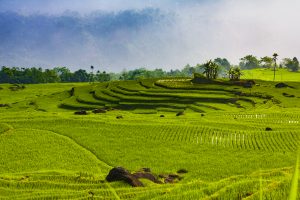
9	129
73	141
86	150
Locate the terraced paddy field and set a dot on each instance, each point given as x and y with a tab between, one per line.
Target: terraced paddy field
232	142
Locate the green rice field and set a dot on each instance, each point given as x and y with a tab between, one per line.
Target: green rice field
234	142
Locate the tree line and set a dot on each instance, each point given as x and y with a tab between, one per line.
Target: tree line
219	67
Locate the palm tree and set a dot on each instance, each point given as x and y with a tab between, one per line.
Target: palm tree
275	55
92	75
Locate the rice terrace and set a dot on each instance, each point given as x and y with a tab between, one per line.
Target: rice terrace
215	133
213	129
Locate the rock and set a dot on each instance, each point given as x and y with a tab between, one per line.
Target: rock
116	174
121	174
182	171
172	178
72	91
288	95
119	117
169	180
147	175
249	84
180	113
281	85
99	111
82	112
162	116
162	176
269	129
145	169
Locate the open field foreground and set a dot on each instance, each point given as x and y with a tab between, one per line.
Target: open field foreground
220	140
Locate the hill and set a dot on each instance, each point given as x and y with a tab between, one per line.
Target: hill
234	142
268	75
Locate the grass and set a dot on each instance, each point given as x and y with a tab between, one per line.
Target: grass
47	152
268	75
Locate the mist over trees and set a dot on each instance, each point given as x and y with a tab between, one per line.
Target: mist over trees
217	68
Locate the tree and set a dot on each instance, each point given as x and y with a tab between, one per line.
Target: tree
275	55
102	77
223	63
266	62
291	64
80	76
188	70
92	74
51	76
211	70
64	74
234	73
249	62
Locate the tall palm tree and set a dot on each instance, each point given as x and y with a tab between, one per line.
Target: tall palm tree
275	55
92	75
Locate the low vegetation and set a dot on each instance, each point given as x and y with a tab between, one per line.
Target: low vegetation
215	139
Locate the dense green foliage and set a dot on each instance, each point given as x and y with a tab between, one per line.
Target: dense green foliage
219	67
221	140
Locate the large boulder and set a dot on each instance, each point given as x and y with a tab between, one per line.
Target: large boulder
121	174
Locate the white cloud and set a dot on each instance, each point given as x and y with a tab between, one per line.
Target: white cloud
198	31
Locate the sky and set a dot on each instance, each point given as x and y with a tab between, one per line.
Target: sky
126	34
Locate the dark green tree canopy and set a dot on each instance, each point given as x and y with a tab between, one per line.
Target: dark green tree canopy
291	64
249	62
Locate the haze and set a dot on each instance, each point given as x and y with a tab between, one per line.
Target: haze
117	34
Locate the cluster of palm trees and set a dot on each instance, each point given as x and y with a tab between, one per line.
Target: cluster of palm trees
234	73
211	70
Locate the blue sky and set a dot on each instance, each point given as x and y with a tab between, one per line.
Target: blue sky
117	34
